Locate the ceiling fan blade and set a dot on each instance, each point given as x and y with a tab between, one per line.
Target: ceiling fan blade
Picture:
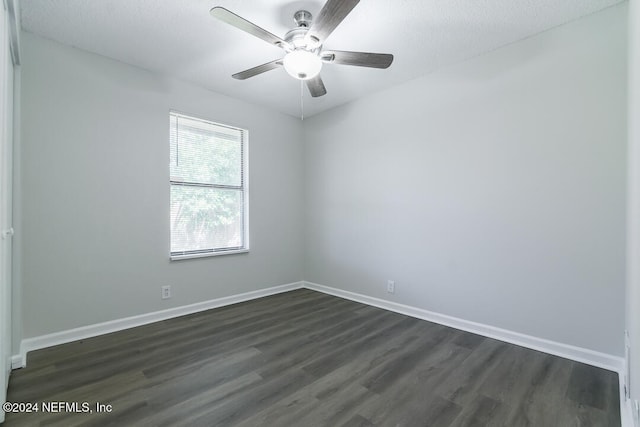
242	75
316	86
331	15
359	59
242	24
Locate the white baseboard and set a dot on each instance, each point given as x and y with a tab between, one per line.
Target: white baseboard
18	361
591	357
578	354
626	409
84	332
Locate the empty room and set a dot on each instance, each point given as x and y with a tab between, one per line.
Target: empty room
320	213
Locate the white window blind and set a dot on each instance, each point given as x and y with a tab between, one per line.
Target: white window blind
208	171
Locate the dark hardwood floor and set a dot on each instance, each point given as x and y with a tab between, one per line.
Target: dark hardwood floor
303	358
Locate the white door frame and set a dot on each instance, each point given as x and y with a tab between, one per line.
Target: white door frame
9	59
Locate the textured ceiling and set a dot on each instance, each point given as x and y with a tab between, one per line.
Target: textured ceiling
179	38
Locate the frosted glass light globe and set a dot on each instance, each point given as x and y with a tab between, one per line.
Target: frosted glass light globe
302	65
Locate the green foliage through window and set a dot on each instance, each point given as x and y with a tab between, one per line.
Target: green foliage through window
208	186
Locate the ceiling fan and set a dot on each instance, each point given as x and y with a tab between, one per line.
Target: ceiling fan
303	45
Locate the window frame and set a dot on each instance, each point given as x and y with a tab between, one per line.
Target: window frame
244	148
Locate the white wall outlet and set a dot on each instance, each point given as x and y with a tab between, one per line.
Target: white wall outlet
166	292
391	287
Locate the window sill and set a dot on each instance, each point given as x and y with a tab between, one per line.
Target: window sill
208	254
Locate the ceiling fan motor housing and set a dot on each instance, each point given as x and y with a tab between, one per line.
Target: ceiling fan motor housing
297	36
302	60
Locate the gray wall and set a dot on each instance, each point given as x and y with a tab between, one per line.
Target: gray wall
493	191
95	191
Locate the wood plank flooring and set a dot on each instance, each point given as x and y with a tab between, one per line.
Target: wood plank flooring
304	358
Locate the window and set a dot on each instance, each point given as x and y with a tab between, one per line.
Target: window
208	179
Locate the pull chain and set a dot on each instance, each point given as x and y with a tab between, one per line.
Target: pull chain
301	100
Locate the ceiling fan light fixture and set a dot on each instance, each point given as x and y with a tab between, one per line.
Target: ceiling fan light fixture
302	64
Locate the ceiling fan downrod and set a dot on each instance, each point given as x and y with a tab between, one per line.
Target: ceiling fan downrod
303	18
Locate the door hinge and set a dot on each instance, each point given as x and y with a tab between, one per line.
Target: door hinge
7	233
